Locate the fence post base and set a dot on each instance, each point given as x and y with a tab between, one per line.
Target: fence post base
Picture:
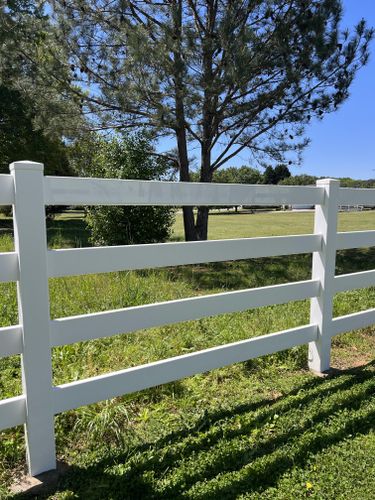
43	484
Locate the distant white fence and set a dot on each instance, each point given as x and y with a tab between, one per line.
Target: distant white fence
32	264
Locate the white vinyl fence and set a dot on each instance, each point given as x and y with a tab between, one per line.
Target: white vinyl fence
32	264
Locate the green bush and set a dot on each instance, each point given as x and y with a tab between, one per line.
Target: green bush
125	157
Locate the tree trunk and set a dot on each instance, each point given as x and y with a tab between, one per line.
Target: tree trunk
188	214
202	223
209	109
183	159
189	225
206	176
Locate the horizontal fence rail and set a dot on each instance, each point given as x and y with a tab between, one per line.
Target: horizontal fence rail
355	239
10	340
6	190
94	389
8	266
353	321
12	412
355	196
78	261
32	264
104	324
354	280
83	191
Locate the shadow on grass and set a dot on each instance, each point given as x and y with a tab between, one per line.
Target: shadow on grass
6	226
267	271
355	260
68	233
245	449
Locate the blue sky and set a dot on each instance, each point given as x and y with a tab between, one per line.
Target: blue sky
343	143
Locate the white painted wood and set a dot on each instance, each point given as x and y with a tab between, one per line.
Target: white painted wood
324	270
6	189
77	261
354	321
8	266
83	392
89	191
104	324
10	340
33	304
355	239
12	412
31	264
354	280
355	196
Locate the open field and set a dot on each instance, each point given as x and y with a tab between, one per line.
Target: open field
262	429
274	223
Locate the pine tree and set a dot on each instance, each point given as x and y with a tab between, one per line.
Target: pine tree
225	76
28	77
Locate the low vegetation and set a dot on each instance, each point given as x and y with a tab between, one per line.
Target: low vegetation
265	428
124	157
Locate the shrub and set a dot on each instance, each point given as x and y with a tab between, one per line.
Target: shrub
125	157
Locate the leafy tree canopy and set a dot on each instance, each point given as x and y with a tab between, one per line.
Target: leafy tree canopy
240	175
26	38
124	157
20	141
276	175
299	180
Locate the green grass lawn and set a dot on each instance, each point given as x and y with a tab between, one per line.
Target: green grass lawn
246	225
265	428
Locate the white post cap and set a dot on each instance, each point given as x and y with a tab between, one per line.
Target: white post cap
324	182
26	165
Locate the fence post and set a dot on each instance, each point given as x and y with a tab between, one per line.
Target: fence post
323	269
34	316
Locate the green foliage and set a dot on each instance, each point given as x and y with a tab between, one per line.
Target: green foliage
240	175
357	183
300	180
309	180
276	175
260	429
124	157
34	112
27	38
20	141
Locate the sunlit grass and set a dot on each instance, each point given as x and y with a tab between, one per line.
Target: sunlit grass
223	433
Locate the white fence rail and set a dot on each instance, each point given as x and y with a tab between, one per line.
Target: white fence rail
31	265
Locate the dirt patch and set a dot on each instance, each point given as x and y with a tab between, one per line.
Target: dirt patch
346	357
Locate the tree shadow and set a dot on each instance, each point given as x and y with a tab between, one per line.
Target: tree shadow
6	225
355	260
251	273
71	232
68	232
288	430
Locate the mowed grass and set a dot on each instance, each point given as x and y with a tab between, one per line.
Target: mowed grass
262	429
224	224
